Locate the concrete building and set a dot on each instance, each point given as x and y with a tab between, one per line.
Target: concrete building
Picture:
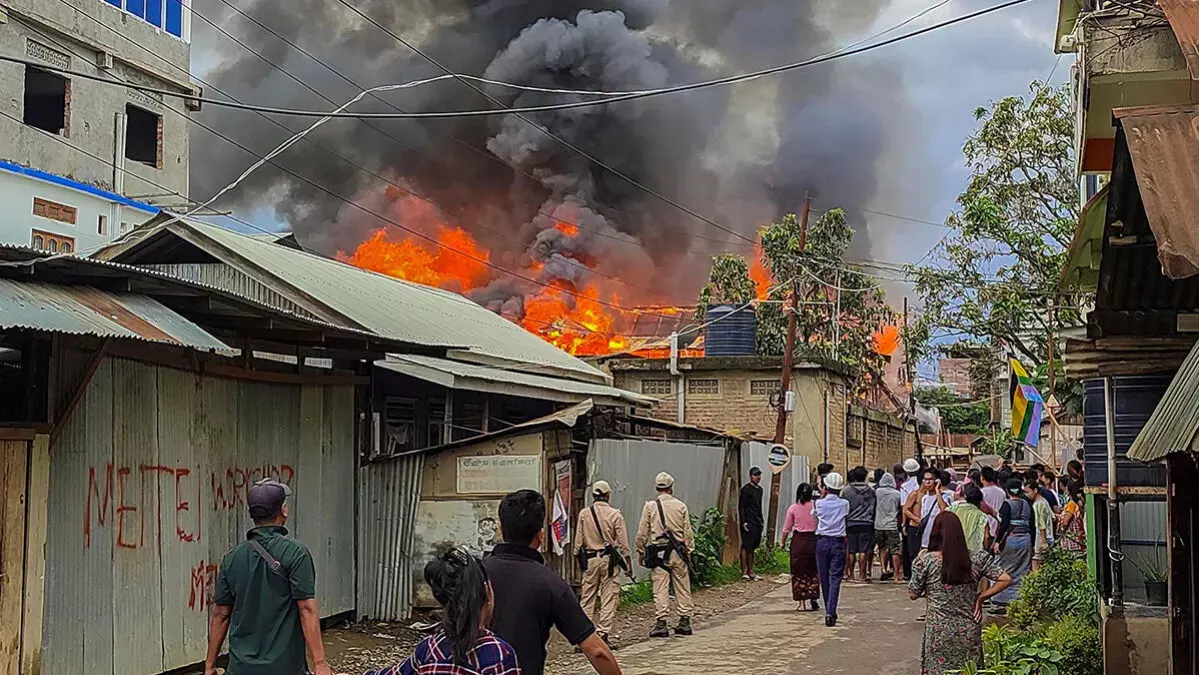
83	161
736	394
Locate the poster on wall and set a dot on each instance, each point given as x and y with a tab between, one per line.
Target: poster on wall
561	525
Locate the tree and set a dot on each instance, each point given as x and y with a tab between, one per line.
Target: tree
994	276
957	416
818	271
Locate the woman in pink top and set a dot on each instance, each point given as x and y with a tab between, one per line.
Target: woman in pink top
801	523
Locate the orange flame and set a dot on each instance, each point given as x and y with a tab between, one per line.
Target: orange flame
424	262
886	340
760	275
574	320
569	229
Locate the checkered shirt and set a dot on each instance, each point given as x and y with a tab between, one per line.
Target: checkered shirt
435	656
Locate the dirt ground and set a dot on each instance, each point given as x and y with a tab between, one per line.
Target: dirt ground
360	647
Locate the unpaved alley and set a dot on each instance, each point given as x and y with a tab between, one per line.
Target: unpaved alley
877	633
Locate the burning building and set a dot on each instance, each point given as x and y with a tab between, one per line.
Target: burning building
503	209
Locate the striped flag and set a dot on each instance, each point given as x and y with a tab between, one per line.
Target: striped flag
1027	406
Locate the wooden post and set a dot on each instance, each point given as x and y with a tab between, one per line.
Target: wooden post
907	367
780	428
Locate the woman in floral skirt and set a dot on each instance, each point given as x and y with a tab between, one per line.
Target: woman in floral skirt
948	576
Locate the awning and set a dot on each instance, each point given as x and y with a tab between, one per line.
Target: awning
473	377
1183	16
82	310
1164	144
1082	258
1174	424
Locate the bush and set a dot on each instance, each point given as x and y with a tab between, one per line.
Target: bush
639	593
709	540
1079	643
1007	652
1061	588
771	560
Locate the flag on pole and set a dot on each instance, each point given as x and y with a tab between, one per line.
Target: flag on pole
1027	406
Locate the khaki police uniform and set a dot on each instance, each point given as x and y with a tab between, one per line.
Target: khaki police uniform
678	520
598	583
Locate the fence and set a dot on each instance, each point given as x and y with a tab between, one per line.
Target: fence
389	493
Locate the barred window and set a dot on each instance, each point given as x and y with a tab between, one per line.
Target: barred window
655	387
764	387
703	386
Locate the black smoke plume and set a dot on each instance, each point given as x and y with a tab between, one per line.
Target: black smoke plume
742	155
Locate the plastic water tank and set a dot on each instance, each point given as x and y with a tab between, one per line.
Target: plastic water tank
1134	398
733	331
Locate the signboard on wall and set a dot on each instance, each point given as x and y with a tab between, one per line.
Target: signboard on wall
442	525
498	474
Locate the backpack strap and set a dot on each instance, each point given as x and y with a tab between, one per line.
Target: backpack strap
273	565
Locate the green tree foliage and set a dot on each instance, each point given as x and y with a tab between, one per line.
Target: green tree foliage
958	416
994	276
820	270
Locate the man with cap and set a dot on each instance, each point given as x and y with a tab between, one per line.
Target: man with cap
749	510
603	546
831	514
665	543
911	530
265	596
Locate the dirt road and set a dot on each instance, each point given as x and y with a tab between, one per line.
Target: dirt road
877	633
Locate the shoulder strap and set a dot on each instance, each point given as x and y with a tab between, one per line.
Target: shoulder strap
273	565
662	515
597	526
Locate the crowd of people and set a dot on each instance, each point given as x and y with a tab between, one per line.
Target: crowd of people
958	541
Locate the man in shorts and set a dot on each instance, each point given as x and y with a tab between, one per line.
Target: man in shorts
886	526
859	524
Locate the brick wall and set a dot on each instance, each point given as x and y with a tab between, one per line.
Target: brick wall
955	375
738	405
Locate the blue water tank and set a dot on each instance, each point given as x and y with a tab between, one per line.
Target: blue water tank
1134	398
731	331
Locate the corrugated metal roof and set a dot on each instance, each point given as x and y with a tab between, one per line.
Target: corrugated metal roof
388	306
471	377
1164	144
1173	425
1183	16
1086	249
81	310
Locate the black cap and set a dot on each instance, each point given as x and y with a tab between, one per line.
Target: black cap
755	471
266	498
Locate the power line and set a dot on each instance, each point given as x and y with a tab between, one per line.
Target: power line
381	217
732	79
545	131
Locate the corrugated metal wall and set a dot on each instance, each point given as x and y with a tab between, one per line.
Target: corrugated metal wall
629	466
147	494
753	454
389	493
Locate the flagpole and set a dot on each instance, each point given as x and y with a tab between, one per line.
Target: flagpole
1052	371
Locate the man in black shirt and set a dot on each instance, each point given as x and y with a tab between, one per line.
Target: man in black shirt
749	509
530	597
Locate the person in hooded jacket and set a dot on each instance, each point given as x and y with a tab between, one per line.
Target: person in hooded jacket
886	528
859	524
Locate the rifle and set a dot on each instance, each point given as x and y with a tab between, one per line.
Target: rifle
675	544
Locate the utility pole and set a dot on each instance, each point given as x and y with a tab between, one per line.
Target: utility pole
907	366
780	429
1052	418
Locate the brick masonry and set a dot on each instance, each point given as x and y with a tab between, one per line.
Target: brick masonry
738	406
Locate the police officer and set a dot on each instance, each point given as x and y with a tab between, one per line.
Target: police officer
604	543
665	543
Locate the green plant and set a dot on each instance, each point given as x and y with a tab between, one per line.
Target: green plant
709	540
1007	652
638	593
1060	588
1078	642
1152	569
771	560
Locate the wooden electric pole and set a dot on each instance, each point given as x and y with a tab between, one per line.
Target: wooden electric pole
780	428
910	377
